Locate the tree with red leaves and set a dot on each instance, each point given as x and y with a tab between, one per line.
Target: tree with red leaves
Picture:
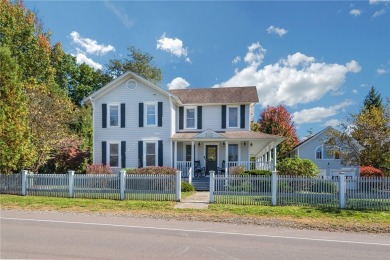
278	121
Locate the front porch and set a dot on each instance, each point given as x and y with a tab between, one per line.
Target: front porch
223	152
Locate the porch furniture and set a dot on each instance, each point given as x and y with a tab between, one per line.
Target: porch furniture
221	170
199	172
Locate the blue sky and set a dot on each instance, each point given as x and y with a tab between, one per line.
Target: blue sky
319	59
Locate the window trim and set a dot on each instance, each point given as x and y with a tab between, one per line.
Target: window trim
146	104
145	142
238	152
228	116
195	117
109	114
323	152
109	153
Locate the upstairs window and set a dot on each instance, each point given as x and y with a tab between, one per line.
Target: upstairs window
114	115
151	114
327	152
233	117
190	118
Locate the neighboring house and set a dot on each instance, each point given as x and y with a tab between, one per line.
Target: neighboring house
326	157
138	124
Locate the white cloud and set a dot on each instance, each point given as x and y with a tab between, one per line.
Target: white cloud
355	12
297	79
82	58
178	83
381	71
173	46
317	114
120	13
379	13
276	30
255	55
333	123
355	91
236	60
372	2
90	46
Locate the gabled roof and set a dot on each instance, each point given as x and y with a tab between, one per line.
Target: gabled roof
121	79
231	95
329	128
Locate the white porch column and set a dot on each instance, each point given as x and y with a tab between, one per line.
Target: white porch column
192	159
175	155
275	158
226	157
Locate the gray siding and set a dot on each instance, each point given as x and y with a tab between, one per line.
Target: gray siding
308	151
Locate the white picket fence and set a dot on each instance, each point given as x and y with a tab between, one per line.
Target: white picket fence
100	186
352	193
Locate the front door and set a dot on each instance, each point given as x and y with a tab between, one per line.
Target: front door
211	158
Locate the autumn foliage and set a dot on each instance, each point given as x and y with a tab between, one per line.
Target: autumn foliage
370	171
278	121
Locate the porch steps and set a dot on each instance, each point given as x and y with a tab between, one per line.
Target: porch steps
201	184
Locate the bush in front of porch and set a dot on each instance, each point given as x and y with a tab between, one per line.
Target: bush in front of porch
297	167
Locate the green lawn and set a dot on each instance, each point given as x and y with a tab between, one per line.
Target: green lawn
299	217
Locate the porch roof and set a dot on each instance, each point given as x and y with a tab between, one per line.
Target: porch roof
228	135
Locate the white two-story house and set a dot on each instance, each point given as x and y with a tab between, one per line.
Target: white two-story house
138	124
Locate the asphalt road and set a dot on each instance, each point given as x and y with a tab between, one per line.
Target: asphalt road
53	235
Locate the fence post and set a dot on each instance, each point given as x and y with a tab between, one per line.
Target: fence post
342	189
71	184
274	185
190	176
122	184
24	182
178	185
212	180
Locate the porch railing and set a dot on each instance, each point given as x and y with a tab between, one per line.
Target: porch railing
251	165
184	167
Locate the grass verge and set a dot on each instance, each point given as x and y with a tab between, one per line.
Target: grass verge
281	216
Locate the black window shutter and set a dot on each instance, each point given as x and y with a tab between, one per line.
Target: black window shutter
242	114
104	115
140	154
160	153
199	117
141	115
181	117
160	113
123	115
223	116
123	154
104	153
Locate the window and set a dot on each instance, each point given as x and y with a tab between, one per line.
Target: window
151	114
233	116
114	115
233	152
190	114
114	155
188	152
319	153
327	152
151	154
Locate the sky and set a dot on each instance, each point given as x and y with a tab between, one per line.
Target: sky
317	58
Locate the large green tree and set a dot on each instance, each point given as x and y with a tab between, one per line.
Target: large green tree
371	129
16	150
49	110
277	121
373	99
138	62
